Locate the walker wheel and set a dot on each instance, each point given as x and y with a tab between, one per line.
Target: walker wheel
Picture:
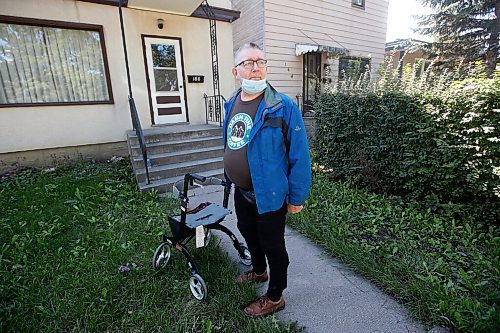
198	287
161	256
246	259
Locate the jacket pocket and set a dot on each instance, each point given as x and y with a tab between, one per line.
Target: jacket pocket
273	143
274	159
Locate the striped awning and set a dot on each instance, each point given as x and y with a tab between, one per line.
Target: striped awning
301	49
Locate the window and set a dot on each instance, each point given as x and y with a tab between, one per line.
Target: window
421	65
353	68
45	62
358	3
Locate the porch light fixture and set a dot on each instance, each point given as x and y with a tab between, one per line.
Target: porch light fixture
160	23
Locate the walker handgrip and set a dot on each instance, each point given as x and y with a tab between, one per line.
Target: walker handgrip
198	177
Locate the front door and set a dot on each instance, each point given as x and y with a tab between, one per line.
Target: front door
166	82
312	76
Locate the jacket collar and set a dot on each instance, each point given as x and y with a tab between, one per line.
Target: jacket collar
271	96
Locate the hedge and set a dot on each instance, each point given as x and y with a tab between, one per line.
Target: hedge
433	139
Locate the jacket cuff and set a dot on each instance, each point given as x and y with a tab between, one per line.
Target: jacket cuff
295	202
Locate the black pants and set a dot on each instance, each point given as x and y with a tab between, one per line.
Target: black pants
265	238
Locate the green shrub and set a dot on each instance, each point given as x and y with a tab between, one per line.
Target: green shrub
431	138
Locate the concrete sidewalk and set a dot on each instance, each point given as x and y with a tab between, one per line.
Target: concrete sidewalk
323	295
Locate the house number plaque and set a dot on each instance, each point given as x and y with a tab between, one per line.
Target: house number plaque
196	78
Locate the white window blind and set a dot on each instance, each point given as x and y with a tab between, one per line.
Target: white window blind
40	64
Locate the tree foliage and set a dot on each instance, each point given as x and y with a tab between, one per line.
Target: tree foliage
463	30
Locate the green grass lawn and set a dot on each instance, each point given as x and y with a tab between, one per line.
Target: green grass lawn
66	233
446	271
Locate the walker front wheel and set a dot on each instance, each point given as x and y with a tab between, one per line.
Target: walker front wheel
161	256
246	258
198	287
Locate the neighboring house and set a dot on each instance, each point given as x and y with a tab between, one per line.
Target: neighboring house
310	43
407	52
63	79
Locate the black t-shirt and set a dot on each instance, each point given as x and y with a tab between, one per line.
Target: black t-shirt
239	127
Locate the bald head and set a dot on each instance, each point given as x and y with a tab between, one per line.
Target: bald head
238	54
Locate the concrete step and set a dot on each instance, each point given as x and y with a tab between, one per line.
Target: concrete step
179	156
174	151
165	184
175	134
177	145
178	169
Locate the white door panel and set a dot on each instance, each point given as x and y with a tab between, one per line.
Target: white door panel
166	83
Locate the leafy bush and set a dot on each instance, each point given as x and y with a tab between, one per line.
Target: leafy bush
433	138
445	271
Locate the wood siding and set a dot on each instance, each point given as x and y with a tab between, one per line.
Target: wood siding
250	26
325	22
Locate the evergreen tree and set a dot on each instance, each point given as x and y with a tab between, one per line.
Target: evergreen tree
463	30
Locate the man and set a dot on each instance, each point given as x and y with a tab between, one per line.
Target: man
266	156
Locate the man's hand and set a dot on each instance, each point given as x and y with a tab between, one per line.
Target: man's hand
294	209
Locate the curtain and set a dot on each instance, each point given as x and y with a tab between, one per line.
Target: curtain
51	65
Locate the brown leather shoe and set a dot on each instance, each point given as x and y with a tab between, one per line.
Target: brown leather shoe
252	276
264	307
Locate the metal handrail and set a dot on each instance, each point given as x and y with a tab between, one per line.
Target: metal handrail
306	107
300	102
213	47
136	123
212	113
140	135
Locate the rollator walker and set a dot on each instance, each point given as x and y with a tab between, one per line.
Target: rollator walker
198	222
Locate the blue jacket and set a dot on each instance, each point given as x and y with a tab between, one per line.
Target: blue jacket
280	169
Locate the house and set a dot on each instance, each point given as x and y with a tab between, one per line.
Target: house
311	43
64	88
407	52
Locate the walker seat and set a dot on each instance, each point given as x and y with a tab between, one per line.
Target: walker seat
210	214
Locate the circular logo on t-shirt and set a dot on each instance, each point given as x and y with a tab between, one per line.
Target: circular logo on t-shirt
238	131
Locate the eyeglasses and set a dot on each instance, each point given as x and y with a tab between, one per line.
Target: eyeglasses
248	64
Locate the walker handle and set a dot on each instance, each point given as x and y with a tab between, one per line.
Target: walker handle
188	180
197	177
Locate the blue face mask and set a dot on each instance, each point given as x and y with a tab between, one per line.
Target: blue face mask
253	87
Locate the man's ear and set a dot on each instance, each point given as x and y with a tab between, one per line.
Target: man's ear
234	71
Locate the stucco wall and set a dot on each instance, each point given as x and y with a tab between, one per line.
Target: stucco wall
220	3
28	128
